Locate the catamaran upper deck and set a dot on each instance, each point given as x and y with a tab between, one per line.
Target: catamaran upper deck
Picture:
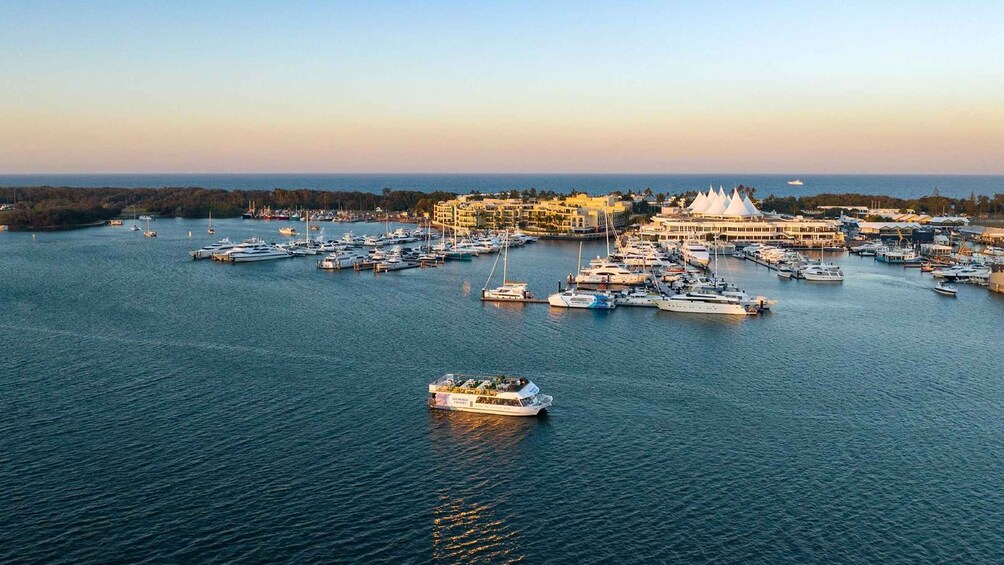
483	385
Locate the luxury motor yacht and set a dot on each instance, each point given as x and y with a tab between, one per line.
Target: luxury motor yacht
641	298
869	249
339	260
705	303
696	254
489	394
208	251
253	252
607	272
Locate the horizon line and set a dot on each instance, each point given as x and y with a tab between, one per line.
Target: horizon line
494	173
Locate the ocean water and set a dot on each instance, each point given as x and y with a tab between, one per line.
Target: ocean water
161	409
902	186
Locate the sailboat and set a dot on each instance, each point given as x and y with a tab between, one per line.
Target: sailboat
211	229
135	226
149	232
455	252
574	298
510	291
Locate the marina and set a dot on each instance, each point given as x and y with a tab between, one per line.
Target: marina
393	284
682	276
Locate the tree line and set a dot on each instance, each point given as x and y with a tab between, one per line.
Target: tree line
933	205
64	207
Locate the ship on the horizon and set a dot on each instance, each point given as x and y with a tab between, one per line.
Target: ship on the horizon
796	182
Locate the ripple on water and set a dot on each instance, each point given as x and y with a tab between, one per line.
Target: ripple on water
160	409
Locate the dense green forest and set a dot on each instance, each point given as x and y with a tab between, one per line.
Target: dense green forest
63	207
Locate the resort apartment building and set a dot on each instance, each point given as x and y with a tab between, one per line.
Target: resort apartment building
571	215
736	219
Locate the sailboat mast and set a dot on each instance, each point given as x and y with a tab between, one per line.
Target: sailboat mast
580	257
505	258
606	229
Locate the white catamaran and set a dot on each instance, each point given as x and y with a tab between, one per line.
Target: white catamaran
489	394
510	291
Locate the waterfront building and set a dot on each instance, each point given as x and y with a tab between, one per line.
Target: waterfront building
579	214
736	219
570	215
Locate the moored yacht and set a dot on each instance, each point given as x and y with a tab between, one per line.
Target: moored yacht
696	254
705	303
642	298
208	251
509	291
489	394
574	298
895	255
830	273
607	272
339	260
253	252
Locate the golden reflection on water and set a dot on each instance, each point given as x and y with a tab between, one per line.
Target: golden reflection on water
471	532
473	455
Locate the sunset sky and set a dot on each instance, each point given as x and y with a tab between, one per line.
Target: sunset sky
842	87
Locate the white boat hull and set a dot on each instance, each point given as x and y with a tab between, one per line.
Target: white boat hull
560	300
256	258
695	307
823	278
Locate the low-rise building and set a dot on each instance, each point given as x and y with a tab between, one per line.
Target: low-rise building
736	219
569	215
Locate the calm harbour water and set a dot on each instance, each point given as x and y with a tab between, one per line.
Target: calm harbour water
162	409
901	186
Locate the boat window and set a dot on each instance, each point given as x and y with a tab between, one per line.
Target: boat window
498	401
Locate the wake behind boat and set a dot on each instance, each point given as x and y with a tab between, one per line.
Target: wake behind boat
489	394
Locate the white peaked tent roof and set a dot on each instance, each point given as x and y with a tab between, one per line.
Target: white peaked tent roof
719	202
750	208
721	193
736	206
700	202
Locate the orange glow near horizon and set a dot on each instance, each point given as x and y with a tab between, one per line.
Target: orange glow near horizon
849	141
443	87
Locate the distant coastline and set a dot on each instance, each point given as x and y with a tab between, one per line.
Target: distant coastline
48	207
898	186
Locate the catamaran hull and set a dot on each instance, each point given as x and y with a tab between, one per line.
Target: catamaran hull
465	403
592	303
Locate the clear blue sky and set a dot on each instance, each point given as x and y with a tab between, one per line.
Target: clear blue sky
508	86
